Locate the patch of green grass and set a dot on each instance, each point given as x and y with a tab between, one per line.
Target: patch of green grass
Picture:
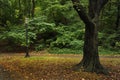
64	51
108	51
102	51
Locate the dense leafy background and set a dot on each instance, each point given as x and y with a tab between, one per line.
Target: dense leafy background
55	26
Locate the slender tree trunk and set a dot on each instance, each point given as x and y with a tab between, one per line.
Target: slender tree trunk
27	43
20	12
33	8
118	16
29	6
19	2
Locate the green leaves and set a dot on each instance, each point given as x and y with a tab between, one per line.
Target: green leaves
16	36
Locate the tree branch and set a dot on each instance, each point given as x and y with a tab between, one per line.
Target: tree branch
80	10
102	4
95	6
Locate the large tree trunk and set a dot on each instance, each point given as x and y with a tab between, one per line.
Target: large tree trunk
90	61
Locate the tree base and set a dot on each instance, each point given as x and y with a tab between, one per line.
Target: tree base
99	69
27	56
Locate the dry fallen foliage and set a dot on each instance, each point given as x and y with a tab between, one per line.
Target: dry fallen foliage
53	67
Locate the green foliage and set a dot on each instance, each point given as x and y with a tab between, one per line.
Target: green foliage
61	42
14	37
55	25
41	32
103	50
77	44
64	51
39	47
39	25
109	42
54	36
17	36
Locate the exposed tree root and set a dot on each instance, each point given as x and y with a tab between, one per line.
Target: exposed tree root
97	68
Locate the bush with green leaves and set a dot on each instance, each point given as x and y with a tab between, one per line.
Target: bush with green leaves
39	47
110	42
62	42
17	36
44	31
64	51
77	44
68	38
55	36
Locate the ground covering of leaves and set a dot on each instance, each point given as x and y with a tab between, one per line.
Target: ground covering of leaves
55	67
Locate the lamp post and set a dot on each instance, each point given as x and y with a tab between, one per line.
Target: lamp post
27	44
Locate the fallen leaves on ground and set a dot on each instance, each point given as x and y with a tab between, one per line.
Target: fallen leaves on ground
51	67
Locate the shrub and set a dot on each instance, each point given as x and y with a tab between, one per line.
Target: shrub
76	44
16	37
39	47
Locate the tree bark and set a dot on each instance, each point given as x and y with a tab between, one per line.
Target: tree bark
90	61
33	8
27	43
19	2
118	16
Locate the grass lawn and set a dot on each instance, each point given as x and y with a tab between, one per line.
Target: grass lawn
44	66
